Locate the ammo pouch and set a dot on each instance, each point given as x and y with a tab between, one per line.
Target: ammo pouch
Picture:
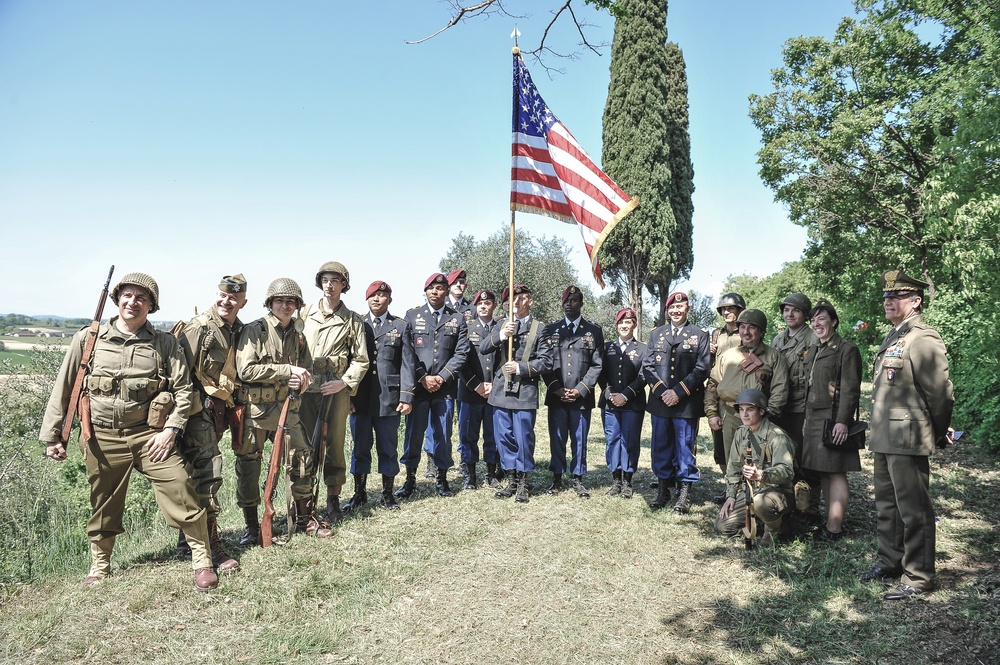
130	390
159	409
321	366
262	394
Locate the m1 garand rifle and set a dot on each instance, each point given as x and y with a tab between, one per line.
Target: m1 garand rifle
274	468
318	441
85	369
750	528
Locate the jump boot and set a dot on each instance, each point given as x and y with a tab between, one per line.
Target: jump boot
683	504
388	498
627	490
432	469
305	519
510	488
616	483
471	482
442	483
557	485
492	480
579	488
409	485
662	496
220	557
360	496
522	487
252	535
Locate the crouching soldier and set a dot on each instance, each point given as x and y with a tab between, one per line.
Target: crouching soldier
770	473
209	344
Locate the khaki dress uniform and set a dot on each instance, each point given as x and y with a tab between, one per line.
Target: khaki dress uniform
822	362
728	379
209	346
912	401
724	339
129	371
336	343
774	454
266	351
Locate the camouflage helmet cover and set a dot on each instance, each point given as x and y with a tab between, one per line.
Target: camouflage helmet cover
283	287
731	299
334	267
143	280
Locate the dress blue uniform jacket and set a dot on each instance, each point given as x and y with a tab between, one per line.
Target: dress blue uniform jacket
389	379
479	367
440	349
680	364
622	373
578	362
524	394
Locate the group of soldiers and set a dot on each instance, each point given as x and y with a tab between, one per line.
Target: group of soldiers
160	403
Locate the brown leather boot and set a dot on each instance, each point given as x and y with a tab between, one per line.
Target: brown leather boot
220	557
305	520
205	579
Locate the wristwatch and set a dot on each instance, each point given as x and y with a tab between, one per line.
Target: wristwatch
177	430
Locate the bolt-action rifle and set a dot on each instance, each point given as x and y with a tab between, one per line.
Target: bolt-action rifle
85	368
750	528
318	441
277	458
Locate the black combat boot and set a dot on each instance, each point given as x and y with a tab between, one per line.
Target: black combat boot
442	483
492	481
252	535
616	483
471	482
360	497
683	504
388	498
521	496
183	549
662	496
510	488
579	488
432	469
333	511
556	485
409	485
627	490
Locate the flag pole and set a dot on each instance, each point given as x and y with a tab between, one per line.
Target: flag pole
510	280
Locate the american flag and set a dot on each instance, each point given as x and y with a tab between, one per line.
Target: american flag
552	175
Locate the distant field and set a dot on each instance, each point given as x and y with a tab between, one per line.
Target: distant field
19	358
28	343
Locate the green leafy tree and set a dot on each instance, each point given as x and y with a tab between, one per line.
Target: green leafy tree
650	245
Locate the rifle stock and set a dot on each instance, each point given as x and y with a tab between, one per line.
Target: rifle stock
749	530
273	469
85	360
318	442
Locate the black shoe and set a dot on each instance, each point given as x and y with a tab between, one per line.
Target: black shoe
879	573
902	592
662	496
409	485
578	487
359	499
442	483
557	484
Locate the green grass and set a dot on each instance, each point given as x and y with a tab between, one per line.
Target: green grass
471	579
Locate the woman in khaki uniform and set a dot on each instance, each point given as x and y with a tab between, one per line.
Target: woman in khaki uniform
834	376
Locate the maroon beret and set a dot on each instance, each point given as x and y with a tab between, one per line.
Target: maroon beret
570	290
518	290
627	313
374	287
483	294
455	275
676	296
436	278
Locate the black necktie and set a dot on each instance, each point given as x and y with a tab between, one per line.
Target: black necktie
437	317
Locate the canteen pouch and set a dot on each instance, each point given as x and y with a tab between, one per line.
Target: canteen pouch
159	409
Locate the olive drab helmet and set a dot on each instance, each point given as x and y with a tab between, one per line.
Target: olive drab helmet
730	300
754	317
800	301
143	280
283	287
335	267
753	397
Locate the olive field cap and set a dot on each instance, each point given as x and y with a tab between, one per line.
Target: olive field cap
143	280
754	317
377	286
283	287
335	267
233	284
898	283
730	300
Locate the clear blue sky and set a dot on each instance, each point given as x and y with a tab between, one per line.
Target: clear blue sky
195	139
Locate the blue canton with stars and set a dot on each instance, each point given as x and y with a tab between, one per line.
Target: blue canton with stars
533	116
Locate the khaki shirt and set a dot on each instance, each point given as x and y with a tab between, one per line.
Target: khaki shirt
727	380
912	397
336	342
773	454
128	372
206	341
264	356
794	348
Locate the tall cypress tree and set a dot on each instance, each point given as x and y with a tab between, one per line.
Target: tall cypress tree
650	246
